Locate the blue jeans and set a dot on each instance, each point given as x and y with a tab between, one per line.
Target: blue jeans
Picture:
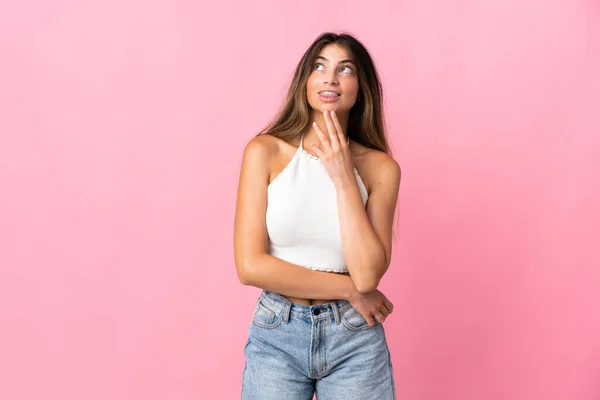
294	351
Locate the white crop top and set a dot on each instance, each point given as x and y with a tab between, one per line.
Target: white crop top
302	216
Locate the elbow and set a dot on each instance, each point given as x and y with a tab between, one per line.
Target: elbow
245	269
242	269
366	285
369	282
244	276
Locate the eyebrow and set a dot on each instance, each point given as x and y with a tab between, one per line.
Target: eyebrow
341	62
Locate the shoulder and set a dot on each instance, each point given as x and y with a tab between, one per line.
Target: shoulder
386	166
380	167
262	146
261	149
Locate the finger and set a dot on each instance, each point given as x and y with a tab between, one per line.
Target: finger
369	318
379	316
317	150
322	136
383	309
388	304
333	136
371	321
341	136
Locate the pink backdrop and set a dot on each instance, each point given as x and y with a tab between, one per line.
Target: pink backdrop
122	128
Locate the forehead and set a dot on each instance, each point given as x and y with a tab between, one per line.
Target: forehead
334	52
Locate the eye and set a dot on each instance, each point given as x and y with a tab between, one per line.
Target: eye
349	70
317	65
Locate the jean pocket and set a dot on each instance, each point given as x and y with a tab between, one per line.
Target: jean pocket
354	321
266	317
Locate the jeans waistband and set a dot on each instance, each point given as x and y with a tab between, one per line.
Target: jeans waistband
314	312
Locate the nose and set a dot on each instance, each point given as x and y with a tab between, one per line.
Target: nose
331	78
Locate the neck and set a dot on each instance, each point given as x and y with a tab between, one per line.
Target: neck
310	136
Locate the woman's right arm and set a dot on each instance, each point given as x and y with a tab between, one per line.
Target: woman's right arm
255	267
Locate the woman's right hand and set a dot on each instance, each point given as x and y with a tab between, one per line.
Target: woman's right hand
372	305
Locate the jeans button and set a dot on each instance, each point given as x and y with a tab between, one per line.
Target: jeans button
317	311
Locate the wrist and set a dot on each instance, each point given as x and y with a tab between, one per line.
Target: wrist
345	184
350	289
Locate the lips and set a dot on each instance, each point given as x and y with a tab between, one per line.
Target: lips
329	93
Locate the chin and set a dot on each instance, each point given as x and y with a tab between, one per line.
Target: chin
330	107
335	107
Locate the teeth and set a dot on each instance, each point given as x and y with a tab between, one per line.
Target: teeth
330	93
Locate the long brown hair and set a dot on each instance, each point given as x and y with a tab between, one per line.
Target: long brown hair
365	124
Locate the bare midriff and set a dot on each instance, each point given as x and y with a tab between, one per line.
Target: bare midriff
306	302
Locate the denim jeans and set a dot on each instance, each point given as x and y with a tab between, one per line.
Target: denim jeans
294	351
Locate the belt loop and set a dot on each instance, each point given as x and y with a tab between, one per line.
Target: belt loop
336	312
287	311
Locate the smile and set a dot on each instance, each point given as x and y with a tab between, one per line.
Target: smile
328	93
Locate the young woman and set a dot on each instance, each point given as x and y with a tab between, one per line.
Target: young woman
313	228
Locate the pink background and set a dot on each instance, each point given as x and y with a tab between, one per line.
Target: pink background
122	128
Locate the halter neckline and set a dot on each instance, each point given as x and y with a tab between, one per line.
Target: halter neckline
302	141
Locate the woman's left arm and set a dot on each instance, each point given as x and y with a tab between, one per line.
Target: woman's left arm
366	233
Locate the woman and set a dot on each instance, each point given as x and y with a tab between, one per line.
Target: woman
313	229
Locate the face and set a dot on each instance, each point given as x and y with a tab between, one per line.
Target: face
333	82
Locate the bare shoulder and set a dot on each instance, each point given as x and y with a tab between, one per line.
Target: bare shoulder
261	148
378	167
